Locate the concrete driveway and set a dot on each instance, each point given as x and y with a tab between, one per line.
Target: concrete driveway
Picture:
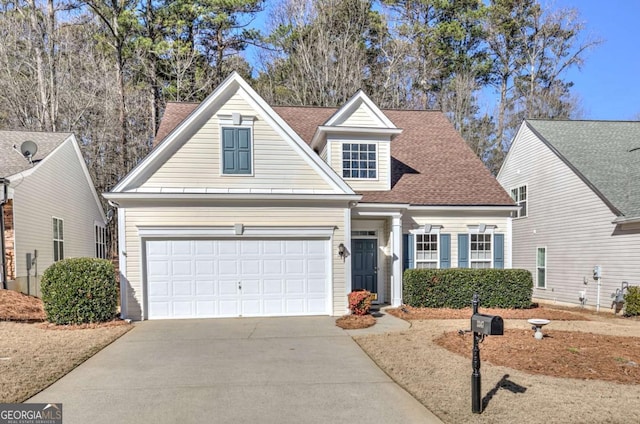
266	370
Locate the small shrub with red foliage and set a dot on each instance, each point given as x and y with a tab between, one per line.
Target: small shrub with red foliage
360	302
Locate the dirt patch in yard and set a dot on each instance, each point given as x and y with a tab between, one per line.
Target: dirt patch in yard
16	306
409	313
354	322
33	357
440	379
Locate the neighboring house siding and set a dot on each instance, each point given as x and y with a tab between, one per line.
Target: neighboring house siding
361	117
572	222
228	216
455	223
383	158
57	188
276	165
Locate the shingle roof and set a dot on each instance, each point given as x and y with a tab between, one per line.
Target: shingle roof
602	153
431	163
12	161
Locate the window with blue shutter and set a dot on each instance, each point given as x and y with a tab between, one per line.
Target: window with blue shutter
236	151
463	250
445	250
407	251
498	251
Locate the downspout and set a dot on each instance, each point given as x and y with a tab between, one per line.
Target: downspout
3	199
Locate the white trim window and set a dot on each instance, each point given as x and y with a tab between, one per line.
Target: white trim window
58	239
541	267
481	255
426	250
101	242
360	161
519	195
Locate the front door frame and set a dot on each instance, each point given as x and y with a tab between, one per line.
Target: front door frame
378	227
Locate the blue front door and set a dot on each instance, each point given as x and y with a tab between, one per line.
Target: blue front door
364	264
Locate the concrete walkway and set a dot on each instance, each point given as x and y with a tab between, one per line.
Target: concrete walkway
268	370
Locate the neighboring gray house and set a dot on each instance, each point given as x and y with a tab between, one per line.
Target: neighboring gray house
577	183
50	207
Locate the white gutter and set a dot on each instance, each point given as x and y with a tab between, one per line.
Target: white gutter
623	220
228	196
465	208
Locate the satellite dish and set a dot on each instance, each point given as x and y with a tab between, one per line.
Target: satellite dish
28	149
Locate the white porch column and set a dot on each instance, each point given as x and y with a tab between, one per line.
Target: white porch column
347	256
396	268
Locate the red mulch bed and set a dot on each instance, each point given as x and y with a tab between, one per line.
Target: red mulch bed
410	313
569	354
354	322
16	306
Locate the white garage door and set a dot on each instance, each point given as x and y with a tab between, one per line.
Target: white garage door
231	278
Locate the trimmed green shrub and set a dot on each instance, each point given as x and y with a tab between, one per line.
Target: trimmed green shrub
360	302
632	301
454	288
80	290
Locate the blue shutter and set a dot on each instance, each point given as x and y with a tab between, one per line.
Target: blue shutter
463	250
407	251
445	250
236	151
498	251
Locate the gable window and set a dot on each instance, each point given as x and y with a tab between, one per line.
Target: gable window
236	151
359	160
426	250
101	242
519	195
480	250
58	239
541	267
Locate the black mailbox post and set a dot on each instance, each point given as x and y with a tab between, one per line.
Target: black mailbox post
482	325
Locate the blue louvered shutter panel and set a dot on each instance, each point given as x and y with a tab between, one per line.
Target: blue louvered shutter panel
463	250
236	151
498	251
445	250
407	251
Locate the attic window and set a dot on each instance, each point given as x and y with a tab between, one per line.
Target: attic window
359	160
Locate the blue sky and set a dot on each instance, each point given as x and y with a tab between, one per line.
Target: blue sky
609	82
608	85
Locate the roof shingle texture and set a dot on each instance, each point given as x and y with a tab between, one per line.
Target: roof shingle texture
604	152
12	161
431	163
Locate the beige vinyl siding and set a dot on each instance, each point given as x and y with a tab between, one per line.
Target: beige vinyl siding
276	165
455	223
572	222
361	117
221	216
384	163
57	188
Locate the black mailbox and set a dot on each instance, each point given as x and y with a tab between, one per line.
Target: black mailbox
489	325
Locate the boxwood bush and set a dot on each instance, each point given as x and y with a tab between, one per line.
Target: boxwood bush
454	288
80	290
632	301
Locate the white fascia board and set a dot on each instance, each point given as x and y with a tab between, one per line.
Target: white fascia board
322	132
357	98
229	231
288	134
474	208
229	196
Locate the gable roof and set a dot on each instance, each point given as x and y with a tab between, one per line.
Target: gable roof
604	154
431	163
180	134
12	161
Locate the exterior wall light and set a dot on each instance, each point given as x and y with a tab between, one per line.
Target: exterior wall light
341	249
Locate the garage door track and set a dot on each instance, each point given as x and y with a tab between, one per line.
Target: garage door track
246	370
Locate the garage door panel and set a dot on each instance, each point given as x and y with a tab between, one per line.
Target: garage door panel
233	277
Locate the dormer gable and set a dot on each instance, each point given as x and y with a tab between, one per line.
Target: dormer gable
356	142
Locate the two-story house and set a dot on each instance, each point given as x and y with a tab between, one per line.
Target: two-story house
243	209
577	185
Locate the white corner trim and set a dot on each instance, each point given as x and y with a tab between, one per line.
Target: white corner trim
122	262
230	232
